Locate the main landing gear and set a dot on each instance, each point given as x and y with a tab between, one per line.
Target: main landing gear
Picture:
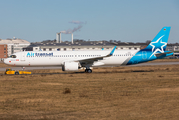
88	70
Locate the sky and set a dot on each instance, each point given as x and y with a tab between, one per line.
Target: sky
124	20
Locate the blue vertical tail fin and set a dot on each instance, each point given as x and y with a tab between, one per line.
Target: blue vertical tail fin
155	50
159	43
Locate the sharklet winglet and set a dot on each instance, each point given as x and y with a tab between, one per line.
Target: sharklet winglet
111	53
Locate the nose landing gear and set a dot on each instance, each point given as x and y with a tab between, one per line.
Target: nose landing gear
23	68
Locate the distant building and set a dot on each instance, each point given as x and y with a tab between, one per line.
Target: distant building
13	45
80	45
173	47
3	51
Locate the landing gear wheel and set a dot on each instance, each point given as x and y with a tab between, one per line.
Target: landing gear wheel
88	71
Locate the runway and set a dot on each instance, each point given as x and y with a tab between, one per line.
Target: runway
156	63
142	64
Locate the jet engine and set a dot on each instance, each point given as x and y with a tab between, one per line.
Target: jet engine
70	66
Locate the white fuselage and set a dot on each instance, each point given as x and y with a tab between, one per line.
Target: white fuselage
57	58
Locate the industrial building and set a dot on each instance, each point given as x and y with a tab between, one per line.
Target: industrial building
75	44
173	47
79	45
10	46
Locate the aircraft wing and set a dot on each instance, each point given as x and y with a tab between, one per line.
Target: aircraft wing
90	61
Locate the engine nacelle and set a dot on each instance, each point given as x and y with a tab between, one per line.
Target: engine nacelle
70	66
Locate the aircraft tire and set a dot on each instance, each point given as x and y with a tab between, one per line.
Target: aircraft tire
89	71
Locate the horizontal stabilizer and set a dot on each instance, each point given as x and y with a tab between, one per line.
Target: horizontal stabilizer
162	54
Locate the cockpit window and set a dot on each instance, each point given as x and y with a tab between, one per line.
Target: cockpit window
13	56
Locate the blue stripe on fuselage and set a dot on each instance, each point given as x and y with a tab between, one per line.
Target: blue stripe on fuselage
140	57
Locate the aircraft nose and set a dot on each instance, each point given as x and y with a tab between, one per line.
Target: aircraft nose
5	61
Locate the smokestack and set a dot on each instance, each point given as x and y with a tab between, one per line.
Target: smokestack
72	38
58	37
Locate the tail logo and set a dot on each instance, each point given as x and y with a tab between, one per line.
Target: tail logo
158	46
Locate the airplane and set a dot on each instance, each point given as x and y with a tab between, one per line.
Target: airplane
74	60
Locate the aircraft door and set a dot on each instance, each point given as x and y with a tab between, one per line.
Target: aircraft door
23	56
144	55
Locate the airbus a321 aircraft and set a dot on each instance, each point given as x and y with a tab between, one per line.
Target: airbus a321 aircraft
74	60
